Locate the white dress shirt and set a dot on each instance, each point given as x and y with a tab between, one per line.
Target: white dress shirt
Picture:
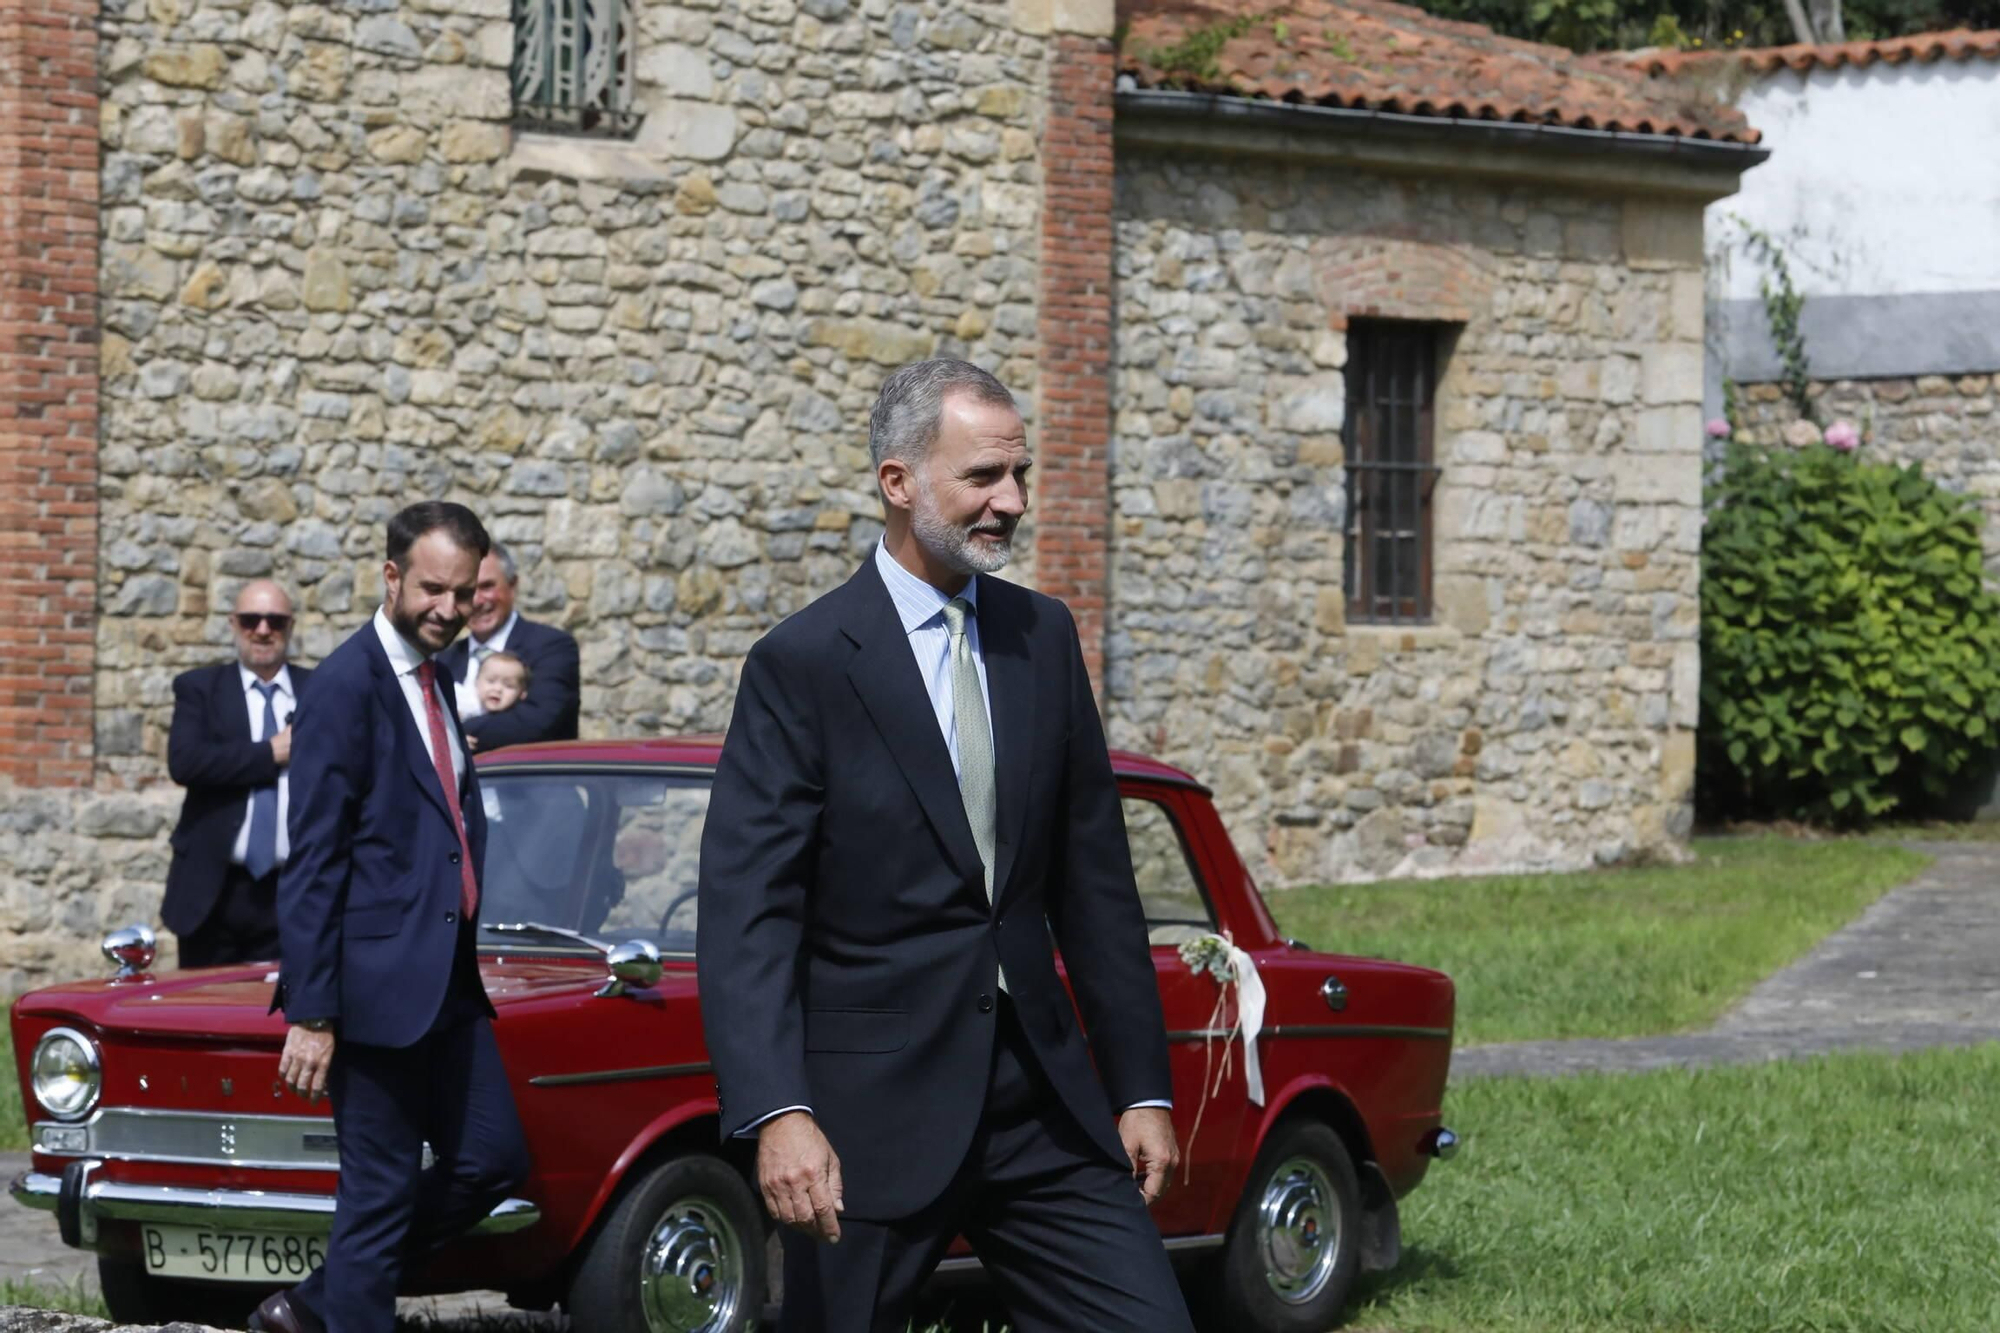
921	609
477	651
284	703
406	657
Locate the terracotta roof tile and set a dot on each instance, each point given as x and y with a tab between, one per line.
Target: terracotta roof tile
1378	55
1925	48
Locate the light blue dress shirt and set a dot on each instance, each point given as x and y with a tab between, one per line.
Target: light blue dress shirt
921	608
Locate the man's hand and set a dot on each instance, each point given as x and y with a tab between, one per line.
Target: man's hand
799	1174
281	746
303	1064
1148	1135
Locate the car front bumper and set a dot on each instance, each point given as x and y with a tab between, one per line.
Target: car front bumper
81	1199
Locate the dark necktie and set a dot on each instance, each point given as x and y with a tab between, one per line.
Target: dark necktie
260	857
468	884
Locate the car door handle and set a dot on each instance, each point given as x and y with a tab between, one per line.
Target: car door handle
1334	991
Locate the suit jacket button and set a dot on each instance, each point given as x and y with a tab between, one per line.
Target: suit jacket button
985	1004
450	917
454	858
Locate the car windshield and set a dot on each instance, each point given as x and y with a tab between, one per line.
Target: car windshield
616	855
611	855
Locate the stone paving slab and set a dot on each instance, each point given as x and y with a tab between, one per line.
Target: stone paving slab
1919	968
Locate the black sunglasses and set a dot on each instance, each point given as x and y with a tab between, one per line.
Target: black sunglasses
249	620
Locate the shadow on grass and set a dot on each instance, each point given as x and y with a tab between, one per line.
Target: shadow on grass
1419	1266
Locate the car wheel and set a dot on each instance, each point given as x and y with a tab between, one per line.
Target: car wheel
682	1252
1295	1242
135	1296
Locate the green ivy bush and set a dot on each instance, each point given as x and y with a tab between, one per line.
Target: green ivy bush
1850	646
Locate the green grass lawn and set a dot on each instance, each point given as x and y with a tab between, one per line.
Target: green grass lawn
13	1125
77	1298
1607	953
1842	1193
1977	830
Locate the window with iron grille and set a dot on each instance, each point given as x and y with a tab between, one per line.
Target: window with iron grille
1391	391
573	66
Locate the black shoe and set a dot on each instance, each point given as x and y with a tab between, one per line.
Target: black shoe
278	1314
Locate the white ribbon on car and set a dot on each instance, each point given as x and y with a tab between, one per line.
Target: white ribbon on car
1235	973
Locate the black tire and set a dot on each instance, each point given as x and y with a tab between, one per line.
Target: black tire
681	1252
1280	1270
135	1296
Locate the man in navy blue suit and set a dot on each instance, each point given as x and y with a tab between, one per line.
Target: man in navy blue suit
549	712
377	912
230	746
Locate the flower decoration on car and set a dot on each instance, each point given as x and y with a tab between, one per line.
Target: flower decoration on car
1239	991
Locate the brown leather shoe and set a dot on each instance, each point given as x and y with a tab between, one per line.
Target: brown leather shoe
278	1315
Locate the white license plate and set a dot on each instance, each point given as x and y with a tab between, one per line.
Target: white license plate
231	1256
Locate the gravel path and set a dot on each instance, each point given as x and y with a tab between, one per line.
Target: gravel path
1919	968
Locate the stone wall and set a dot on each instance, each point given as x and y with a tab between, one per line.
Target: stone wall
335	281
1545	719
336	284
1945	424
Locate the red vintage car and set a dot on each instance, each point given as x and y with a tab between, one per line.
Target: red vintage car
164	1141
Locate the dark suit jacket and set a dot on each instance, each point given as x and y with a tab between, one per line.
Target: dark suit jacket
549	713
848	954
209	751
368	902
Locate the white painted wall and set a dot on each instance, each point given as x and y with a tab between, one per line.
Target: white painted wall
1881	181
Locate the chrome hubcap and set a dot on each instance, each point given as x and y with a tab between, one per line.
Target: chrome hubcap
692	1278
1298	1230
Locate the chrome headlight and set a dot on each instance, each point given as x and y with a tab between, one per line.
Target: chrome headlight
67	1074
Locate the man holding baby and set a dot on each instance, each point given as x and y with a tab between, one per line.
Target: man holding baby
517	679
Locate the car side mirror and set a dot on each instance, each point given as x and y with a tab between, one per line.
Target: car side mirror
633	964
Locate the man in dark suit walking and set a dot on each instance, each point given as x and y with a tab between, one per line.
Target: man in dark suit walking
230	744
913	797
549	712
377	910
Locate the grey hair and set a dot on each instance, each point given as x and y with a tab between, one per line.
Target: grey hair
904	424
506	559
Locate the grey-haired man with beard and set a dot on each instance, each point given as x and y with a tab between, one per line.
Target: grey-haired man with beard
913	800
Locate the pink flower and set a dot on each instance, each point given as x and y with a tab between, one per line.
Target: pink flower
1843	436
1717	429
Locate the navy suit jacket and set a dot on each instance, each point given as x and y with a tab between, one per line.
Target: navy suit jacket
549	713
368	901
848	954
209	751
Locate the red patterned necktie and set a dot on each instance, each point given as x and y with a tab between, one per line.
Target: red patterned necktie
468	890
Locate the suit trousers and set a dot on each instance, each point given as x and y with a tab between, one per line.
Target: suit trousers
390	1214
1062	1232
241	928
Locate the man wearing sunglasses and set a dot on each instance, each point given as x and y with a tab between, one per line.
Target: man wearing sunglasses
230	745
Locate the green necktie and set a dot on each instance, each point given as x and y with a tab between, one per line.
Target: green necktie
976	784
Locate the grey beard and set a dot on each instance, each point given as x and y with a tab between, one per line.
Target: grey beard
953	545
